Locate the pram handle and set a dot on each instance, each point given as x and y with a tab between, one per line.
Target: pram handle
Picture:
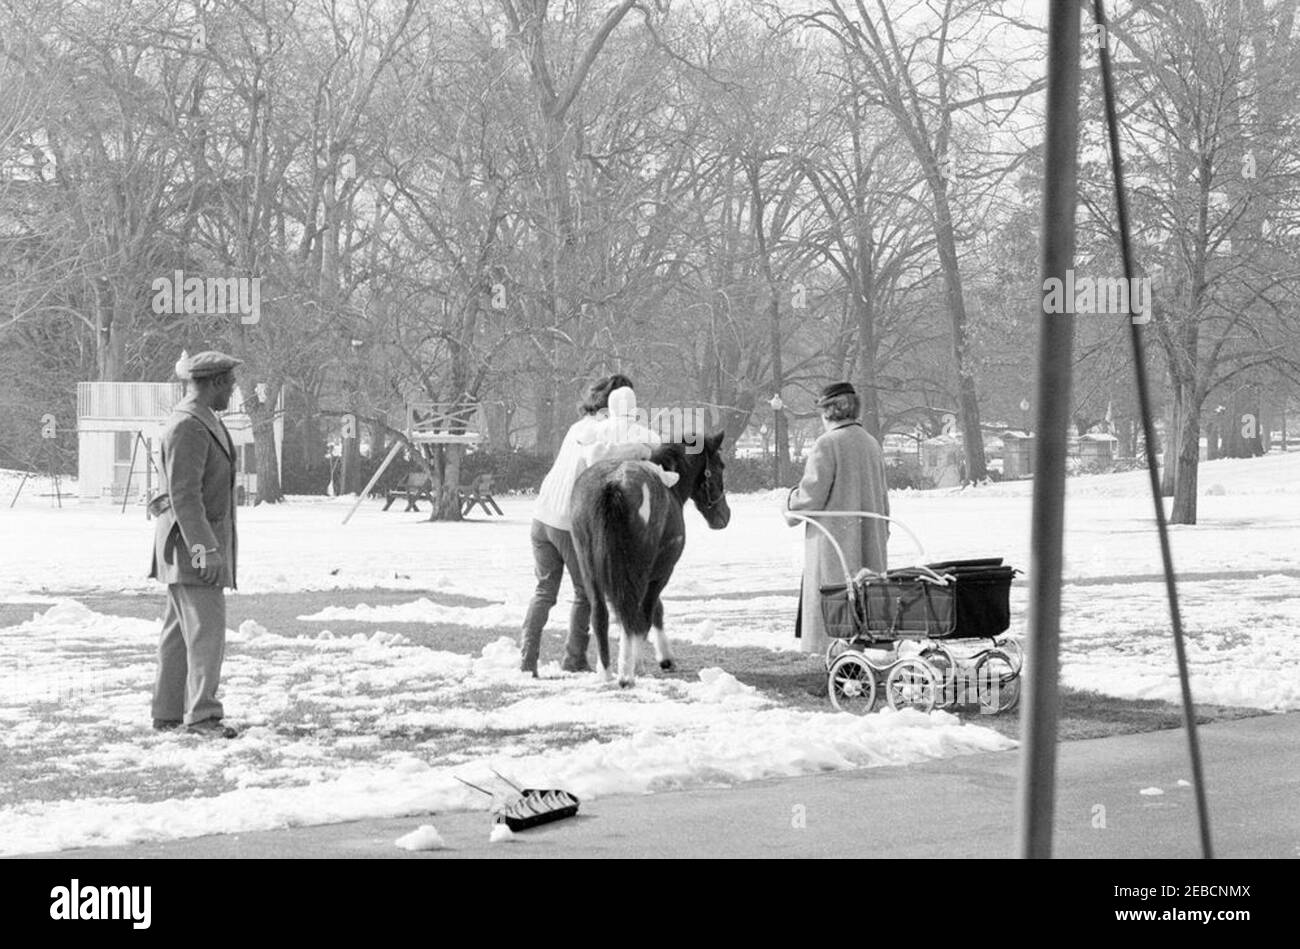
809	517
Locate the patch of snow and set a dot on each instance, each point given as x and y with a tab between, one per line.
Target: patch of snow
425	837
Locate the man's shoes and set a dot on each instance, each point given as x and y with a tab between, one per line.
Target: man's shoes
211	728
166	724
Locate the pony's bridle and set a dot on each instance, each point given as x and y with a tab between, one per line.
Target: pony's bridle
710	502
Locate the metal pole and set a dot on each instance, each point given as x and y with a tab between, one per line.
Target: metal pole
1036	795
135	451
365	492
1148	429
26	475
53	463
148	476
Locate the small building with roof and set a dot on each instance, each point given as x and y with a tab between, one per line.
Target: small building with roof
119	425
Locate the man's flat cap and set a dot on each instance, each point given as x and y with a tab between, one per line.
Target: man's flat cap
204	364
835	389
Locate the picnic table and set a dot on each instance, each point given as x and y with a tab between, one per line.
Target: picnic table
414	486
479	493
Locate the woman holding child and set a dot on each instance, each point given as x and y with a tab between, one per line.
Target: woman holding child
596	436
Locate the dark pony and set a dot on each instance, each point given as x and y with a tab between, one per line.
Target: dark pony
629	532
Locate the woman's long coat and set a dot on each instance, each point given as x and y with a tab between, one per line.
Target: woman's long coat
845	471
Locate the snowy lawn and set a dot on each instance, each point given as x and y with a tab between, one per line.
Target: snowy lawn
341	727
366	705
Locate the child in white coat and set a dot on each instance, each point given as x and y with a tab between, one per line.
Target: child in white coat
622	428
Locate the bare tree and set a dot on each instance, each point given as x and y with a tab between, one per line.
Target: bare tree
927	81
1211	136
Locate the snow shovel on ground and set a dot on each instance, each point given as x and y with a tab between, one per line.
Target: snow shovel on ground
529	807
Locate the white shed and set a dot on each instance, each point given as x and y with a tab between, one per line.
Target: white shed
118	426
118	421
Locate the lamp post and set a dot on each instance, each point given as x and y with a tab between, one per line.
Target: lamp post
778	436
1024	414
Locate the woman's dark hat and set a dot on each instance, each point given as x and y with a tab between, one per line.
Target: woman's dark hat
834	390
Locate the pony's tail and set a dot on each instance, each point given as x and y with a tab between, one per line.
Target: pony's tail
617	557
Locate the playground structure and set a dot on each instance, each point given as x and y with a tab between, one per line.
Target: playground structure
118	430
429	425
114	421
50	470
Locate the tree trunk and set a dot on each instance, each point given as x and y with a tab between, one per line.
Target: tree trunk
866	368
1188	445
1169	453
548	441
350	481
780	428
864	298
497	416
378	444
1242	425
262	415
968	400
305	436
446	506
108	338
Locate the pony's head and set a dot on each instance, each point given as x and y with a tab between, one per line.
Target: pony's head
709	493
701	476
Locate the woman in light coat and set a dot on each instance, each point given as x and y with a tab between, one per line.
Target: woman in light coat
845	471
553	551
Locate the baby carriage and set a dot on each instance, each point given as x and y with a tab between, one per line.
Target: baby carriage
930	636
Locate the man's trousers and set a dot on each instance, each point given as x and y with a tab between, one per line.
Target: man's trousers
190	652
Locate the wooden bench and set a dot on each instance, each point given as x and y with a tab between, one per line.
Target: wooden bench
479	493
414	486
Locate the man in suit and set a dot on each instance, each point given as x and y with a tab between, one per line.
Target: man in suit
194	548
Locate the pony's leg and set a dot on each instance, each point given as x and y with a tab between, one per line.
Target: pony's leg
653	607
628	655
663	652
600	627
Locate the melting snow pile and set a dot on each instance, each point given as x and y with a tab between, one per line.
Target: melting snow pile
350	726
333	728
425	837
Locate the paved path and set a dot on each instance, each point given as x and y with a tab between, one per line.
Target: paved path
957	807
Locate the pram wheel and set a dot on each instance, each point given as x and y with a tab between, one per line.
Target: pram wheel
834	649
852	684
1015	652
997	681
911	684
944	666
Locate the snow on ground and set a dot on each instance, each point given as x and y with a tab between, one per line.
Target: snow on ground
370	725
1241	634
341	728
302	545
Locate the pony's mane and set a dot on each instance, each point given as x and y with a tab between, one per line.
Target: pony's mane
672	455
